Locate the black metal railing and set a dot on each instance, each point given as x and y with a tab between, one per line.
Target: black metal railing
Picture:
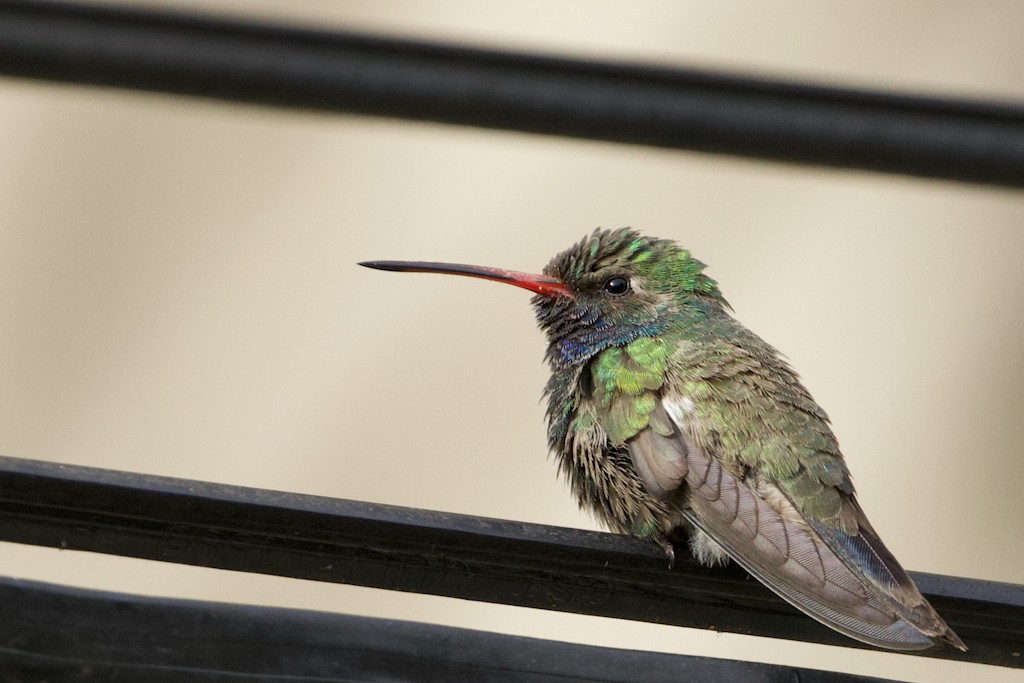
684	109
405	549
55	633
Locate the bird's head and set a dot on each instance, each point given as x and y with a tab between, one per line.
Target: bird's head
621	285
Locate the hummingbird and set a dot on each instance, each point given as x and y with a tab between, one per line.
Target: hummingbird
672	421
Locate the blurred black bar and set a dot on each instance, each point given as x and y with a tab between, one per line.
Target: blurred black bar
628	103
405	549
55	633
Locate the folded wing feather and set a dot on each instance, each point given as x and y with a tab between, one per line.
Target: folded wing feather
759	527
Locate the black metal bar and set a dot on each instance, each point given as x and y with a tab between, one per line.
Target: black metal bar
635	104
52	633
405	549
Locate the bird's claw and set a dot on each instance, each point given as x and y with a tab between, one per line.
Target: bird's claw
670	551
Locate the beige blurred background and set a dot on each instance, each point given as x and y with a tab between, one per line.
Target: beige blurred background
179	295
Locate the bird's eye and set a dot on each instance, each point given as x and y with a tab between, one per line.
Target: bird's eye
617	285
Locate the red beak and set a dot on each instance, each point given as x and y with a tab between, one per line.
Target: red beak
539	284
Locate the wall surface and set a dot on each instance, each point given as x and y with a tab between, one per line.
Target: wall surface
179	294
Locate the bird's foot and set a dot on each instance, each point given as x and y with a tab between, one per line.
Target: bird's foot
670	550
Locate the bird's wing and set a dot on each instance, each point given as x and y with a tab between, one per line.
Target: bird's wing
758	526
866	553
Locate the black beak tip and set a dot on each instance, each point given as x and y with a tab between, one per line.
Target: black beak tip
380	265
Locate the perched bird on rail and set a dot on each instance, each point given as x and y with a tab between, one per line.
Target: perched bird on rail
670	419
